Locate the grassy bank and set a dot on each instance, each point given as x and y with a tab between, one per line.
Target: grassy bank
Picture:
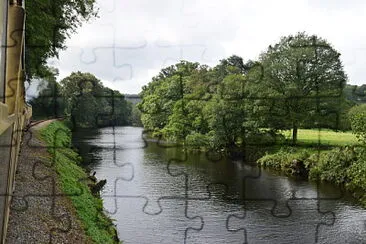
343	163
73	180
324	136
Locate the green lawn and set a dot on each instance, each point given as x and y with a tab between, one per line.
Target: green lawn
324	136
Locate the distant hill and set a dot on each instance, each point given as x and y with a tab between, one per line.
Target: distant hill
133	98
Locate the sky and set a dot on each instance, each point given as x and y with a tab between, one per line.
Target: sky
132	41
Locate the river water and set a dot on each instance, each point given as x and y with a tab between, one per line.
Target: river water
156	193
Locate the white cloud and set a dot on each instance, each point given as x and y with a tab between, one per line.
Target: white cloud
133	40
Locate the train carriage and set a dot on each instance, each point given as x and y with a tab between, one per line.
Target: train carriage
14	111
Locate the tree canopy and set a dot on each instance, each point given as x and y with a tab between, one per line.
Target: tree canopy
89	104
303	80
296	83
48	25
83	99
49	102
199	105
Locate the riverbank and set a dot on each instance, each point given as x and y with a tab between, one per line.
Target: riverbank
320	155
74	182
152	179
37	215
343	166
52	201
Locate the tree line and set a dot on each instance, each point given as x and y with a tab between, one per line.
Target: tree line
83	100
298	82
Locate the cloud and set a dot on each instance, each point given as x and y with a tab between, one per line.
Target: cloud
133	40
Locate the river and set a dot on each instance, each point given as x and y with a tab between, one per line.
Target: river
157	193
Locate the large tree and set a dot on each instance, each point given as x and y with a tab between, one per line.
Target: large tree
302	77
89	104
161	94
226	113
48	25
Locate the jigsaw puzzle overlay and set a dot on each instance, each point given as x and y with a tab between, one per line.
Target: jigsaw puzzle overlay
159	193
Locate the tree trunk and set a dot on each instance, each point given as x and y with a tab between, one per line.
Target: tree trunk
294	133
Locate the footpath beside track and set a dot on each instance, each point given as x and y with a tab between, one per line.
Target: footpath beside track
37	215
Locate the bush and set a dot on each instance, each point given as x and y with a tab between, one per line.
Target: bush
344	166
284	159
260	138
357	171
333	165
357	117
197	141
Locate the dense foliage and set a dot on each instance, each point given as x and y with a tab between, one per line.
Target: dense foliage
344	166
48	103
89	104
48	25
296	83
357	117
135	118
192	102
83	99
302	83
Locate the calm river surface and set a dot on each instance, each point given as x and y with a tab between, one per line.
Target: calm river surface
156	195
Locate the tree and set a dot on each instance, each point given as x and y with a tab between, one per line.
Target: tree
303	78
48	25
89	104
49	103
161	94
120	111
194	104
81	91
135	116
226	113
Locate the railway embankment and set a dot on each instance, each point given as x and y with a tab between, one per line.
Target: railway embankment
52	202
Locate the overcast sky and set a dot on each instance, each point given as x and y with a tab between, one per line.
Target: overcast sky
133	40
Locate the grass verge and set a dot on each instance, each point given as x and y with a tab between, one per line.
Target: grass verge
73	180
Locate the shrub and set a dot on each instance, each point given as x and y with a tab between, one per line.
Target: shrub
357	117
284	159
261	138
332	165
357	171
197	141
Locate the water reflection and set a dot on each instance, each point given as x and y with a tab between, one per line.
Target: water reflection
229	201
